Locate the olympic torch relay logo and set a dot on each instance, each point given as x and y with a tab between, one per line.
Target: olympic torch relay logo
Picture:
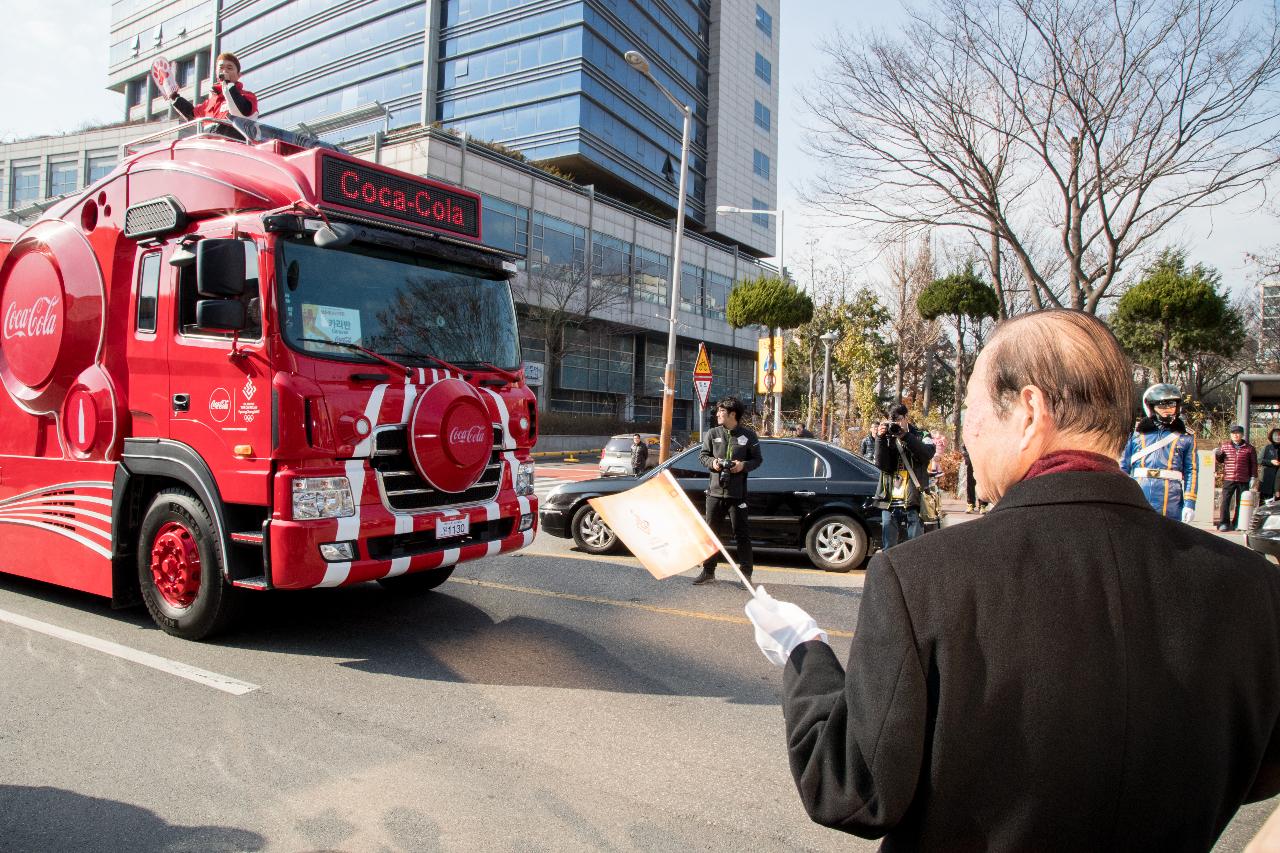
37	320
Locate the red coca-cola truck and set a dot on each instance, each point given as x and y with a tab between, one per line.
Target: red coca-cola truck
247	361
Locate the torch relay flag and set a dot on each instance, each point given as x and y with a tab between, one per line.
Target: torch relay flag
659	525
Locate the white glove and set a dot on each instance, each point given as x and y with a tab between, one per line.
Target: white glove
1188	515
780	626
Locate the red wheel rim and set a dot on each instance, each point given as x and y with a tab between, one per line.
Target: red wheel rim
175	564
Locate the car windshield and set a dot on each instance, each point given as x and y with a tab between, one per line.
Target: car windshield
617	445
395	303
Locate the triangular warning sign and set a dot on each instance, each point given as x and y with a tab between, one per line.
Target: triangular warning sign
703	365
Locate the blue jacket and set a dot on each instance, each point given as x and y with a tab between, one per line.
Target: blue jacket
1167	497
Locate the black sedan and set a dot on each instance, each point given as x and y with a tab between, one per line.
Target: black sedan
805	495
1264	532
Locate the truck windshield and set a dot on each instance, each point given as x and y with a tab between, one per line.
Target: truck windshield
398	304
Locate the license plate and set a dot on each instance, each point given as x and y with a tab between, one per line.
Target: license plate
450	529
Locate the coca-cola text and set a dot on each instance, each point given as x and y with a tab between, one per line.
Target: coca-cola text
470	435
38	320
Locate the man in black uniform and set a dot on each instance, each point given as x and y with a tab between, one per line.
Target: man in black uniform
639	455
729	451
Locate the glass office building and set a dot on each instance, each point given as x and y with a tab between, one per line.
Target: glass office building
545	78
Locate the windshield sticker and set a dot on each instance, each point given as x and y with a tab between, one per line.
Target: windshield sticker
340	325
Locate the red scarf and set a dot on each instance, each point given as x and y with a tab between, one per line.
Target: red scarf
1061	461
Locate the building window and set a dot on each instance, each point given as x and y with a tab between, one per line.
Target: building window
63	178
763	69
652	271
148	289
506	226
764	119
100	165
26	186
761	219
133	91
610	263
764	22
184	72
760	164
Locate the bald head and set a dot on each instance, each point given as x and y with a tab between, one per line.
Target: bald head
1047	381
1074	359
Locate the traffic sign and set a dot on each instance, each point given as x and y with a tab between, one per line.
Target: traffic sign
702	375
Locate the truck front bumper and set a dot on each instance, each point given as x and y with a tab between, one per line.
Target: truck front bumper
385	544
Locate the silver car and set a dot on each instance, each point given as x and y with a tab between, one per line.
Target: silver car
615	459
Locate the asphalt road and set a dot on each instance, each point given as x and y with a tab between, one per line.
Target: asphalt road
546	700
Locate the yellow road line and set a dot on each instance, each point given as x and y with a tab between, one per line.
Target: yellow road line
633	605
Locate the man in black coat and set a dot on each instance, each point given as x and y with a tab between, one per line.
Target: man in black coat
730	451
639	455
1072	671
902	454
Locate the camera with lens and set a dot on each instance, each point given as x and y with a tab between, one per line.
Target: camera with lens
892	428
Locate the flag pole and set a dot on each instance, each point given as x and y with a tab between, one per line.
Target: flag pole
707	529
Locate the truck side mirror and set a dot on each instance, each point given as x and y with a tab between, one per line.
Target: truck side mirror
220	315
220	268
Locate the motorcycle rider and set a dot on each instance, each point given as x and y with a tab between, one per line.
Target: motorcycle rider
1161	454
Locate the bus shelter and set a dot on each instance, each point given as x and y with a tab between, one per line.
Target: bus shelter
1257	397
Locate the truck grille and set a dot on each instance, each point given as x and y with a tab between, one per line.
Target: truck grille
404	490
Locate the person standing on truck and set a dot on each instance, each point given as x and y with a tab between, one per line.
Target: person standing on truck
229	98
639	455
729	451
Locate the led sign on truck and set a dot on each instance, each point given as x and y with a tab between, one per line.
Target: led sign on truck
422	204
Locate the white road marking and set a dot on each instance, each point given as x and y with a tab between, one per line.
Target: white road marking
217	681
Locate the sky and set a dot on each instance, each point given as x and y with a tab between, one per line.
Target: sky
56	59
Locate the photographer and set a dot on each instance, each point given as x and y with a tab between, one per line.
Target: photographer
229	98
902	455
729	451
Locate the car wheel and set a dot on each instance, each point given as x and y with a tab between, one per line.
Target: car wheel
418	582
836	543
180	567
591	533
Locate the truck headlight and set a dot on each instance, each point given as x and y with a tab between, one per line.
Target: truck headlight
322	497
524	478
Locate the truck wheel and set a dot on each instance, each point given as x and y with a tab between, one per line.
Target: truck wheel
179	568
836	543
418	582
591	533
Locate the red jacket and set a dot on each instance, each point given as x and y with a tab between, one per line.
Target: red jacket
1240	462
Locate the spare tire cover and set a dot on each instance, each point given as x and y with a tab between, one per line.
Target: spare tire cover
450	435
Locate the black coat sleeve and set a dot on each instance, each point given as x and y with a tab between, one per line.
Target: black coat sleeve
921	451
754	457
242	103
886	455
856	739
184	108
707	455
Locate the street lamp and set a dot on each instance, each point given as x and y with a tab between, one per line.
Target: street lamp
827	340
637	61
782	269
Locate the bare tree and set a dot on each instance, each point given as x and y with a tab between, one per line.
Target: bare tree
1100	121
560	299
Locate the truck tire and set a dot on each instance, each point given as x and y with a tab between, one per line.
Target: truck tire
418	582
836	543
180	570
590	533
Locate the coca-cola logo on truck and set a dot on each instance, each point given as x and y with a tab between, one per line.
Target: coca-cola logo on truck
32	311
471	435
450	435
39	320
